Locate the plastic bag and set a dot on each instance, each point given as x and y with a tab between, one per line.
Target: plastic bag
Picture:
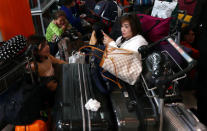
163	9
77	57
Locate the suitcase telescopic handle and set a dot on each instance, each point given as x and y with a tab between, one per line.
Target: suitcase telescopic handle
163	80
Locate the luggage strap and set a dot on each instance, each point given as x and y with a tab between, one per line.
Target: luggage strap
86	96
83	80
82	106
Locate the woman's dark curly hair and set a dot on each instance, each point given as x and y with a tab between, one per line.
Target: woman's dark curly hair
35	41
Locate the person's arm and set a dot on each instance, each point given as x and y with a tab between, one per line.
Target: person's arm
68	25
55	29
108	41
73	20
56	61
115	43
135	43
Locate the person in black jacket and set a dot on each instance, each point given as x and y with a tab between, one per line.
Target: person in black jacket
199	21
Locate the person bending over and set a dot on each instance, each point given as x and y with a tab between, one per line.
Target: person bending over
72	15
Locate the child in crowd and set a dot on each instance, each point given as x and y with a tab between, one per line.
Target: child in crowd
44	61
54	33
188	39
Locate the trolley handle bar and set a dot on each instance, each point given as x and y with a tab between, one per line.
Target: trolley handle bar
146	49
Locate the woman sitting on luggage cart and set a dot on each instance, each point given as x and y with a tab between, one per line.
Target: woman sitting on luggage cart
131	38
43	61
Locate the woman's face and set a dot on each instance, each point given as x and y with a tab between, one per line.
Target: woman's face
60	21
44	49
190	37
126	30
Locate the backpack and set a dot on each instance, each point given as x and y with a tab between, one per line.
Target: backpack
107	9
154	28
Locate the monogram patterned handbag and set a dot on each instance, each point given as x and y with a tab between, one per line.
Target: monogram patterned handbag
124	64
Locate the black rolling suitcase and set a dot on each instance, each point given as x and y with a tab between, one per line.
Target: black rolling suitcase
75	89
133	109
126	120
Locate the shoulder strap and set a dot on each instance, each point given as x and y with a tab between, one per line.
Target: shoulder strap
36	70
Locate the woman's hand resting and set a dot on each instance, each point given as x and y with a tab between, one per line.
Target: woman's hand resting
106	39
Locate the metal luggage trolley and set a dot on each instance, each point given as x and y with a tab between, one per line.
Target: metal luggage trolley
150	92
172	116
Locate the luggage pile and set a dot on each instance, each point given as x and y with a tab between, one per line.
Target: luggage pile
149	105
75	91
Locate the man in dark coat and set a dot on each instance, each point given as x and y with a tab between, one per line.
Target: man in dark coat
199	21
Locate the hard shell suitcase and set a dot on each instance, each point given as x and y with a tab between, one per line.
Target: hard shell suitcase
75	89
38	125
133	110
178	118
125	120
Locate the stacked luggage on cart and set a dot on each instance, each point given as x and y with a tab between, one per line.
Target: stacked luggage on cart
149	105
76	89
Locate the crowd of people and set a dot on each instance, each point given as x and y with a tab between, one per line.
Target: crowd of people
70	17
131	38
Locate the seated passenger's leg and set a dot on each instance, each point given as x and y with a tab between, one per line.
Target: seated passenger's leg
63	48
53	48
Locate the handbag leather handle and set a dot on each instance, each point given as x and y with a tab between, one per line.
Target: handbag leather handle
189	2
92	47
116	82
